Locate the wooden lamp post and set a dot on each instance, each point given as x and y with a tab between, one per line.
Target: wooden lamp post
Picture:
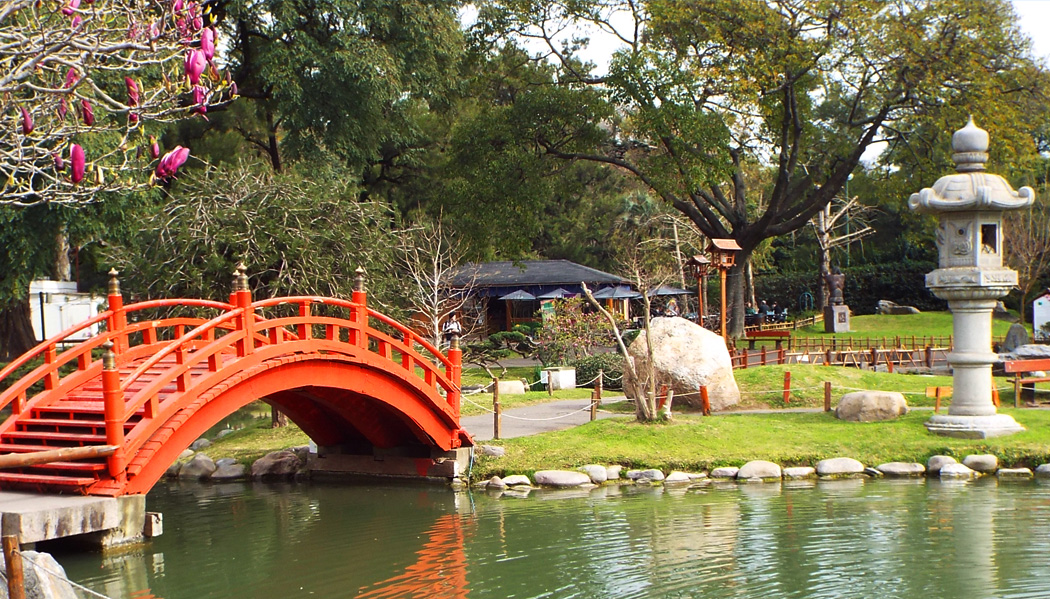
723	254
700	265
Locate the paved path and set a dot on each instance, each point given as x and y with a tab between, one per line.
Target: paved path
539	418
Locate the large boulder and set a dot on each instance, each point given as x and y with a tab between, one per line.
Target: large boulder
276	464
888	307
43	577
871	406
1015	338
201	466
685	356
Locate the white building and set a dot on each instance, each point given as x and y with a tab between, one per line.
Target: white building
57	305
1041	316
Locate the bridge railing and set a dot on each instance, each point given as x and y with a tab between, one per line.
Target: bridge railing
60	352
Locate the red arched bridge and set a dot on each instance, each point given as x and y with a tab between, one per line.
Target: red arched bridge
109	415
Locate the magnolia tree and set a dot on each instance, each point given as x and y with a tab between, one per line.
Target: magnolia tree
83	81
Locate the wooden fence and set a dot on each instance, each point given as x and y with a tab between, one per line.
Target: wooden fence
925	357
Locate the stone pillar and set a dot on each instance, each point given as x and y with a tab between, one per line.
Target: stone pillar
969	206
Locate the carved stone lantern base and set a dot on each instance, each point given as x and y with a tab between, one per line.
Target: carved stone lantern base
973	427
836	319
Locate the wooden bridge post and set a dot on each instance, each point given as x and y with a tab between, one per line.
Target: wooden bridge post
454	373
118	321
113	409
360	316
244	301
16	588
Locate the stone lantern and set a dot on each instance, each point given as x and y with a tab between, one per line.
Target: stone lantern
969	206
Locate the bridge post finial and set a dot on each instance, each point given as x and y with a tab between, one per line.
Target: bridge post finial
240	277
114	283
109	358
359	279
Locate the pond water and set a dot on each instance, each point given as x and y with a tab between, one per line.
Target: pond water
850	538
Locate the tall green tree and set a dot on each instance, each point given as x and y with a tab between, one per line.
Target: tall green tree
704	94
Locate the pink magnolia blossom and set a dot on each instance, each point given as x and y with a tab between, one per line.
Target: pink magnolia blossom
88	112
60	164
71	77
200	98
27	121
133	118
76	160
71	8
208	43
171	162
154	147
133	91
76	22
62	108
195	65
177	6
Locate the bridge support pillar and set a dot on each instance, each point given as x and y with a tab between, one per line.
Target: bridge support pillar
439	466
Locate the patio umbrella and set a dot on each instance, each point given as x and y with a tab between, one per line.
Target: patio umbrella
668	290
518	296
618	292
558	293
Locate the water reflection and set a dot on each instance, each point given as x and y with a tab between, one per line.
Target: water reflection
909	538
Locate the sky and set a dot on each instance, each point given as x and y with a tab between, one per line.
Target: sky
1034	17
1035	21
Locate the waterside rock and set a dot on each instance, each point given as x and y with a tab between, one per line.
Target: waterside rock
200	444
598	474
800	472
1014	474
902	469
956	470
613	472
760	469
229	472
1042	471
983	463
725	472
276	464
645	476
517	480
935	463
839	467
677	478
201	466
561	478
38	581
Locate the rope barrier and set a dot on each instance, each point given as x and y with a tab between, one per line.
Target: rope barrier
63	577
566	415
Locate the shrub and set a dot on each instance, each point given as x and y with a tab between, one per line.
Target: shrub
611	364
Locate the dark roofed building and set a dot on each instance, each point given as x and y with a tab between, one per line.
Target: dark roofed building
489	281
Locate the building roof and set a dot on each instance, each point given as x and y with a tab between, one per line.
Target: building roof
531	274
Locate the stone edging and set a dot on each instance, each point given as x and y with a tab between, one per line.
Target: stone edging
593	475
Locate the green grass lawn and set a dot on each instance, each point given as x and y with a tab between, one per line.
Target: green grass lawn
763	386
790	439
903	325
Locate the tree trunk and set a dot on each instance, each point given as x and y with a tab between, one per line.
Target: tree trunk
277	418
62	270
735	297
16	330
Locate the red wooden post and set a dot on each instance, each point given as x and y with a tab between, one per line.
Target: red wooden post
937	399
113	410
782	356
889	362
705	401
360	297
827	396
453	372
244	302
763	355
118	320
16	588
995	396
787	386
827	356
496	424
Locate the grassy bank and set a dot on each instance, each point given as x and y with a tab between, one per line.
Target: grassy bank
791	439
903	325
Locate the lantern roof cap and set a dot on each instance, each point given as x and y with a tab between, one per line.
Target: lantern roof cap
970	188
725	245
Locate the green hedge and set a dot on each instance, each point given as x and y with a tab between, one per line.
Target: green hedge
611	364
903	282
